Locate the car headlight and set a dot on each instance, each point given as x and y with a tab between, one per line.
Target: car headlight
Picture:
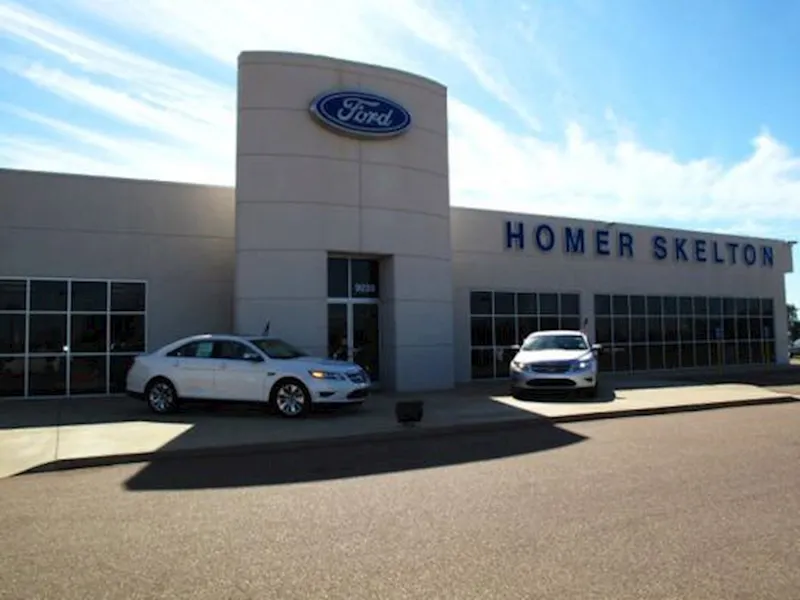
582	364
326	375
515	364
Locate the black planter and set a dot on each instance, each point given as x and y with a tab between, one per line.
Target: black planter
410	411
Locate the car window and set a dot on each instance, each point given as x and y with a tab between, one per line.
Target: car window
230	350
277	348
555	342
204	349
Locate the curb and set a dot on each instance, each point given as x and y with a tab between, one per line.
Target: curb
410	433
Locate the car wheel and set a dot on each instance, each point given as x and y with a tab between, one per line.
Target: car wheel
290	398
161	396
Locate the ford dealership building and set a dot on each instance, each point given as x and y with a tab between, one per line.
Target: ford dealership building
339	233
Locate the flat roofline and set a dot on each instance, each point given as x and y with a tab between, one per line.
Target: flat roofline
35	172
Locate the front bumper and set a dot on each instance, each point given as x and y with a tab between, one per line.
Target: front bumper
324	391
555	380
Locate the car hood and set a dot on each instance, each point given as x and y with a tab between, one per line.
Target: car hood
538	356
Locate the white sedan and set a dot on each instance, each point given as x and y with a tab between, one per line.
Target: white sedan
243	369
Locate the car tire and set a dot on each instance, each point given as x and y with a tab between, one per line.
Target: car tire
161	396
290	398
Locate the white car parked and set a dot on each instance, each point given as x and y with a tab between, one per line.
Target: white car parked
243	369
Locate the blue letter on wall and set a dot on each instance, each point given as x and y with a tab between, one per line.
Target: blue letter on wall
515	234
659	247
700	250
574	240
680	251
749	254
625	245
545	238
767	256
601	242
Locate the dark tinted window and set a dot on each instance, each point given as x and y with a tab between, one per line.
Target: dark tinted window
89	296
13	294
49	295
526	304
480	303
203	349
127	297
230	350
504	303
602	305
570	304
338	278
548	304
364	275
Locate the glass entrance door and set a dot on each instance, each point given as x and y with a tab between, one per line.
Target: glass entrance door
354	334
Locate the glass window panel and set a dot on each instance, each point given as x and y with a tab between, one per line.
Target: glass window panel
622	358
701	355
741	307
622	330
701	328
127	297
480	303
686	326
715	354
767	308
754	328
504	303
526	326
729	353
89	333
570	323
715	330
602	304
654	305
638	305
49	295
655	355
602	330
87	375
685	305
89	296
526	304
639	357
505	333
118	371
12	376
754	307
620	306
482	331
605	362
729	328
365	278
12	334
48	333
203	349
672	359
743	352
655	329
47	376
715	306
728	307
687	355
700	305
549	323
548	304
670	305
768	328
13	294
570	304
670	329
757	352
502	357
127	333
483	363
338	278
742	328
769	353
638	329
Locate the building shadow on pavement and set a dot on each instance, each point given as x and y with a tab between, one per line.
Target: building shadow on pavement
355	459
783	375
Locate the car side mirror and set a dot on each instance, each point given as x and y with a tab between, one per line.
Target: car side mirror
597	348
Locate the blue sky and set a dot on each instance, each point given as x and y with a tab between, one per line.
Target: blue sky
670	113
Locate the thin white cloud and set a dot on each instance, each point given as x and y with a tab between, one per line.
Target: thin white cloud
186	122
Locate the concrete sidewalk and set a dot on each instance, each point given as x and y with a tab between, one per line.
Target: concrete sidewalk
40	435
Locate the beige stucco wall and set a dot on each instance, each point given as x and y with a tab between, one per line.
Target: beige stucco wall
177	237
303	191
481	261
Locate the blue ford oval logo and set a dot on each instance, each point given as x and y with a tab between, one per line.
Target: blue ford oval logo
361	114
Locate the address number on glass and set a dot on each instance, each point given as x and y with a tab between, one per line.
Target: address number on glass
365	288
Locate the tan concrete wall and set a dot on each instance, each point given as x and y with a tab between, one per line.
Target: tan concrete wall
303	191
177	237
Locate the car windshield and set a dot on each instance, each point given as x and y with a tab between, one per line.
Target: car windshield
277	348
555	342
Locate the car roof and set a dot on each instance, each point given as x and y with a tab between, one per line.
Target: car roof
557	332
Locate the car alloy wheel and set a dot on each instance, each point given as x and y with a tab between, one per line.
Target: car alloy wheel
291	399
161	396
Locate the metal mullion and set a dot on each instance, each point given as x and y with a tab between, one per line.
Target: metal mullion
68	382
108	336
26	361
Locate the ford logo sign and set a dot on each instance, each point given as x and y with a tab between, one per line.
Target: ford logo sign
361	114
